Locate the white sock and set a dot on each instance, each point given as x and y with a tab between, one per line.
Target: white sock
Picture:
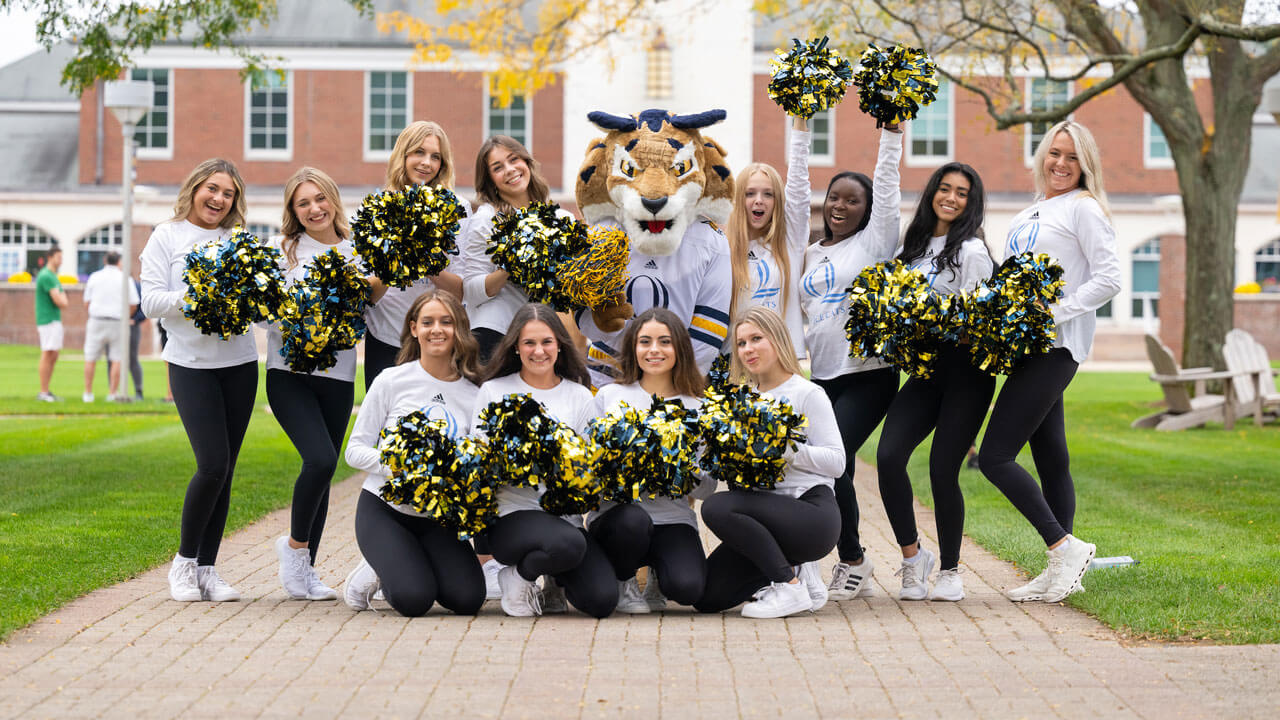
914	558
177	558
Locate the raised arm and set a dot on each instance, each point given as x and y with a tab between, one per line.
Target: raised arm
886	188
798	202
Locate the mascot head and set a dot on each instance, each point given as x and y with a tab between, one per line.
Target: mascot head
655	174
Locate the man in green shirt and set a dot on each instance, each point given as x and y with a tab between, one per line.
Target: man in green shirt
50	299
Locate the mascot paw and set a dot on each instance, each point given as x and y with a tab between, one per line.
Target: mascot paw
611	318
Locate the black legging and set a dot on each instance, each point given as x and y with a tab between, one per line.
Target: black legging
314	412
539	543
763	536
418	561
1029	409
860	401
488	340
135	365
629	539
378	356
954	401
215	405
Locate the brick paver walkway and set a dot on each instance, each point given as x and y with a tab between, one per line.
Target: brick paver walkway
128	650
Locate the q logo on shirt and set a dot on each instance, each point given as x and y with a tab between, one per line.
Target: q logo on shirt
1022	238
764	294
440	412
820	283
645	291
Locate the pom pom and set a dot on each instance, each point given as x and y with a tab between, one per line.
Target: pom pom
718	375
894	84
596	278
447	480
1008	317
809	78
645	453
406	235
232	284
535	245
324	314
894	316
746	436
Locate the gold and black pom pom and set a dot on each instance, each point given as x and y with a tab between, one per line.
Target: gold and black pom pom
809	78
894	83
1008	317
324	314
232	284
405	235
745	437
646	453
596	278
718	378
894	316
536	245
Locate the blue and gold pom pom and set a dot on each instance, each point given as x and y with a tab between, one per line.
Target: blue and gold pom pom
232	284
646	453
809	78
718	376
1008	317
596	277
746	436
324	314
894	83
406	235
536	244
894	316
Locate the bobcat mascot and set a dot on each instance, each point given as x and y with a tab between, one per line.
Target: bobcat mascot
667	186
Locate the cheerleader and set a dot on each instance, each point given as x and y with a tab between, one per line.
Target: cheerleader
421	156
214	381
771	540
766	248
1070	221
409	556
507	179
537	357
944	243
312	408
656	359
860	225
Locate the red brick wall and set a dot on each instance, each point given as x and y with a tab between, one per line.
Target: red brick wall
18	318
1173	291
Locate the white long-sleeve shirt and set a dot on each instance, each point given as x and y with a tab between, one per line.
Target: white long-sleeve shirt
307	249
1076	233
163	261
821	458
975	266
663	510
568	402
104	296
830	270
493	313
396	392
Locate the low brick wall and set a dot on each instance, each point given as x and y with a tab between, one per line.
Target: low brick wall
18	318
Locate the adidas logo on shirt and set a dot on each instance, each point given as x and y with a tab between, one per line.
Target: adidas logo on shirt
1035	215
751	254
438	398
824	260
651	265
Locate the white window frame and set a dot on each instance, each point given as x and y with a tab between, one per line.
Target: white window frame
164	153
92	241
251	153
914	160
528	119
26	238
371	155
1148	125
1139	296
1268	253
1028	148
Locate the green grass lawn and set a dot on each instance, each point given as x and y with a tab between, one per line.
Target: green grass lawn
1200	509
90	494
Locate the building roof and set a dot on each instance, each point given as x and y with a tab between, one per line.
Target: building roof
39	151
37	77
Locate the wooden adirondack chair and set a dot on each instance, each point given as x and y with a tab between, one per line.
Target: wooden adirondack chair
1182	409
1255	386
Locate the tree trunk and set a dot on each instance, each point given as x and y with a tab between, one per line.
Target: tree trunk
1209	211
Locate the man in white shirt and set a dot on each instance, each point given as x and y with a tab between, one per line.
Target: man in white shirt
104	299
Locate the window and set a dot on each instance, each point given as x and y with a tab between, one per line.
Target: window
269	118
1155	147
1266	266
91	250
929	135
658	68
388	101
512	120
153	133
22	247
1146	279
262	231
822	146
1043	95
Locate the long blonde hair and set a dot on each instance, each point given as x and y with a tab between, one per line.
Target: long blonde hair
291	227
410	138
775	331
487	190
1086	152
203	171
775	234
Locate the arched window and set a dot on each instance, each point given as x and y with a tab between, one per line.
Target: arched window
262	231
91	250
22	247
1146	279
1266	266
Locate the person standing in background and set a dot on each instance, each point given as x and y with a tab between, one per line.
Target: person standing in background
50	299
104	304
136	323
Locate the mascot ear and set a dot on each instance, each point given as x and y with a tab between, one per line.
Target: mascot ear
589	189
717	197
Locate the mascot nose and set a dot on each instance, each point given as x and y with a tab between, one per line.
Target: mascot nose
653	206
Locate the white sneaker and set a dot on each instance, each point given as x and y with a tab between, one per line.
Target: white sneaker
949	586
317	590
294	565
553	599
87	397
1032	591
915	576
491	589
214	588
519	596
778	600
850	581
811	575
653	596
630	601
360	586
183	585
1067	564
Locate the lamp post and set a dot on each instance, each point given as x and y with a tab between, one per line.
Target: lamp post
129	101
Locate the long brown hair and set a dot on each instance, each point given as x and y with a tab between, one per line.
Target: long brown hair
487	190
684	376
775	331
291	227
409	139
775	234
505	360
466	350
202	172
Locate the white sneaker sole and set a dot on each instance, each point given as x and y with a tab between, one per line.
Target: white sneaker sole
771	613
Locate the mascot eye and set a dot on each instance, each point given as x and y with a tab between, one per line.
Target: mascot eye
682	168
628	168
